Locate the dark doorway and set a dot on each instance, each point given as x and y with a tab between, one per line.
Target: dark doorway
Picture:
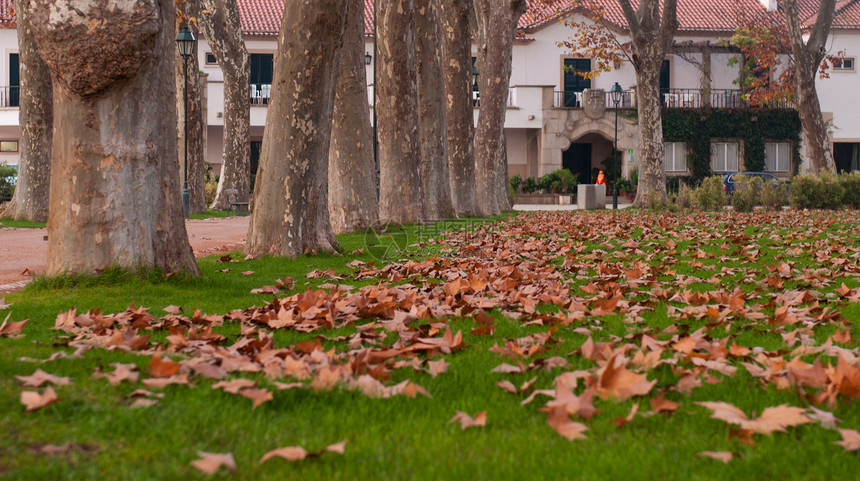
256	147
665	84
14	81
574	82
847	156
577	159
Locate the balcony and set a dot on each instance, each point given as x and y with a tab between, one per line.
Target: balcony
260	93
672	98
10	96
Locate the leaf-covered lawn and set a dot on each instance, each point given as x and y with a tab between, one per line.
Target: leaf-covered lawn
610	345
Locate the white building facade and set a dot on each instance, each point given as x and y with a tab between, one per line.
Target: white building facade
555	119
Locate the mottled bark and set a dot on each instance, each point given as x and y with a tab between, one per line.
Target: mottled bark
496	22
290	215
352	202
35	117
503	195
457	66
115	196
401	196
431	112
807	58
652	33
223	31
196	171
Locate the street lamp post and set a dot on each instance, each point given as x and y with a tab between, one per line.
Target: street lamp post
185	41
615	93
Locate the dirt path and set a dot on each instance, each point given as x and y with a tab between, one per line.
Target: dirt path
23	252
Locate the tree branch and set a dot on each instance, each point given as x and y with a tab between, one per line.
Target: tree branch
668	24
630	15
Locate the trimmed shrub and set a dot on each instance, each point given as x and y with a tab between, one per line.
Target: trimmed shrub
530	185
822	191
515	183
773	195
851	189
711	195
746	195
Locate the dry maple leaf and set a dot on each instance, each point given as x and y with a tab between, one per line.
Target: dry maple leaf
234	386
143	403
211	462
724	456
850	439
162	368
159	383
259	396
33	400
621	384
467	421
827	419
772	419
434	368
507	386
298	453
40	377
12	327
558	419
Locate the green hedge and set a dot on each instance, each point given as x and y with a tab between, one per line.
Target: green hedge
697	127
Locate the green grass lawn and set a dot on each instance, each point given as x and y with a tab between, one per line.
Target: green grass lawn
210	214
562	269
21	224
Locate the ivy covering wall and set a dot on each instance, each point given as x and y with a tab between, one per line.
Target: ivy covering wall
753	127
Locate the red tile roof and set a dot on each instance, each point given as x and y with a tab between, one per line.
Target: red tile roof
847	15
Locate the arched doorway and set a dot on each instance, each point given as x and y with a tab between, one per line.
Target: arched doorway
588	154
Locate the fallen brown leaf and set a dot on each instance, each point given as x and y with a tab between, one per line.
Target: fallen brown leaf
724	456
467	421
33	400
850	439
40	377
209	463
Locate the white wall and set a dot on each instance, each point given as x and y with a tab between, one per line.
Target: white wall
838	94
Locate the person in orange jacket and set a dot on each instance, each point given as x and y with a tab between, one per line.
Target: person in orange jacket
600	180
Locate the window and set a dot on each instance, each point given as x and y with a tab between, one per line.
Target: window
210	59
846	64
675	156
8	146
724	156
777	156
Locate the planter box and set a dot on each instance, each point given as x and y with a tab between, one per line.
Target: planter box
545	199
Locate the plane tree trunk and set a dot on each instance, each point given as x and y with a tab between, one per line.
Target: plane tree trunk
223	31
496	28
352	202
36	114
431	112
115	196
290	215
807	58
196	172
401	192
457	67
652	34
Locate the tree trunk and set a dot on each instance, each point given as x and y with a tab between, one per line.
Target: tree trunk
431	112
457	66
503	195
807	58
652	171
290	215
352	203
115	196
224	33
401	193
496	28
196	171
36	115
652	33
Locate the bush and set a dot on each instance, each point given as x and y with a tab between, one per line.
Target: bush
655	201
624	186
634	177
746	195
686	197
7	181
710	195
515	183
546	182
773	195
822	191
851	189
530	185
566	183
210	186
